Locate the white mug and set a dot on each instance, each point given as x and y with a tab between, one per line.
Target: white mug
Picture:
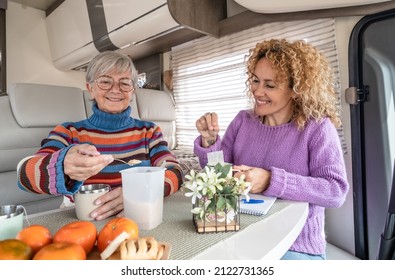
11	220
85	199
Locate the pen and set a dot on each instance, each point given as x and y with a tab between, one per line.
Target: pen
252	201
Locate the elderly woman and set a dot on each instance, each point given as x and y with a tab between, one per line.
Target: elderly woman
287	145
83	152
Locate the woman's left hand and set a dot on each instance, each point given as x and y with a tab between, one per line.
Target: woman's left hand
258	177
110	204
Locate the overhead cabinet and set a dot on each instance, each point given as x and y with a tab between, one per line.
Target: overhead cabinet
78	30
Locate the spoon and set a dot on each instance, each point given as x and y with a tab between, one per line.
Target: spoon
130	162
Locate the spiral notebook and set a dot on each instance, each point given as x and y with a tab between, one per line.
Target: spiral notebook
258	204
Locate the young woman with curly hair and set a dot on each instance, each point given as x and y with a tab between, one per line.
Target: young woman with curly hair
287	144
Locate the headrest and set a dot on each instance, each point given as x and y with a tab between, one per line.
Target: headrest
36	105
155	105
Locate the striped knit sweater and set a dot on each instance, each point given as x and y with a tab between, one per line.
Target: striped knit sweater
306	165
117	134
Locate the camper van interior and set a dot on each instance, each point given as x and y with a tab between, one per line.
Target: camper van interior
189	55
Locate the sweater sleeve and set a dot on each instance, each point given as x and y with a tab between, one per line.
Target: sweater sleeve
326	185
43	173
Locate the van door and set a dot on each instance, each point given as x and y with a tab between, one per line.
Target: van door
372	100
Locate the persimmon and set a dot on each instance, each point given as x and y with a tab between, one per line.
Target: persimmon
36	236
83	233
115	227
61	251
14	249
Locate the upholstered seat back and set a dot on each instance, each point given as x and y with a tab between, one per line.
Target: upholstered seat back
28	113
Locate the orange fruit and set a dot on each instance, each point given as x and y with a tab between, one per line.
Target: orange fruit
14	249
115	227
36	236
61	251
83	233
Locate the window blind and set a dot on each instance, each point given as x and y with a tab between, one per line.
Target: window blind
209	73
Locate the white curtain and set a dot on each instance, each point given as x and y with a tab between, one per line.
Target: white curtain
209	73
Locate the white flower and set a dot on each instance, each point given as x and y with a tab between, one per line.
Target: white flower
195	190
209	181
192	176
244	187
197	210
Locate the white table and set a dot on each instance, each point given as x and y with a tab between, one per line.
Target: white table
265	237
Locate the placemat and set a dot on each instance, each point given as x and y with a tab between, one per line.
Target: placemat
177	227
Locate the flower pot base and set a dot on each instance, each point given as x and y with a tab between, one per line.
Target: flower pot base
203	227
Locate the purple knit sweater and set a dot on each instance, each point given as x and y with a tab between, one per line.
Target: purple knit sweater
306	165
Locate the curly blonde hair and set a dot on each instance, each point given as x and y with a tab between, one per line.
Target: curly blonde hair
308	73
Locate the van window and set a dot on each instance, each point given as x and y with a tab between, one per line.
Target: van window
209	73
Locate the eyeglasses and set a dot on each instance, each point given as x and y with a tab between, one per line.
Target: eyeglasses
106	83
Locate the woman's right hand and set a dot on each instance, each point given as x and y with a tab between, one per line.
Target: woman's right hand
83	161
207	125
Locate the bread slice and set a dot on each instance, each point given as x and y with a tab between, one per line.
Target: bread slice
145	248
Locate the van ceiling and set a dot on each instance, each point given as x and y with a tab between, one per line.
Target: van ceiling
258	6
285	6
217	18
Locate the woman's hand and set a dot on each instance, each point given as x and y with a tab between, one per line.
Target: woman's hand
83	161
207	125
258	177
110	204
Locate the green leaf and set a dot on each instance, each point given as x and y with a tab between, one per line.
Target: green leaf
226	169
218	168
211	205
227	190
220	202
231	200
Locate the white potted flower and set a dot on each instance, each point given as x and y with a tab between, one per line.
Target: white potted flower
215	196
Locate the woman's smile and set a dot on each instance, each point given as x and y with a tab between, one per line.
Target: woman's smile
262	102
114	99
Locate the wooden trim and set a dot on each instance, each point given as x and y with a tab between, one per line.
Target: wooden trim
199	15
